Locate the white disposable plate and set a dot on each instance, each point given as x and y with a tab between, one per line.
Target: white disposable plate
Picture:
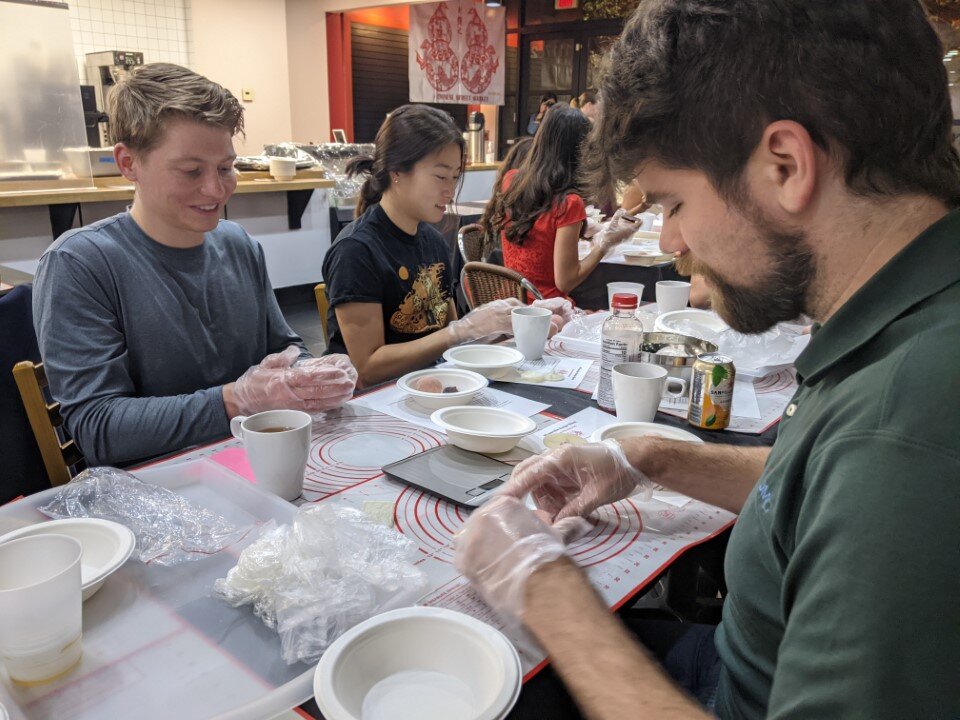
489	360
483	429
646	257
468	382
672	321
619	431
418	639
106	546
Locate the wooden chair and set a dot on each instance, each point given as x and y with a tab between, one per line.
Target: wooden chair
471	241
323	307
483	283
45	418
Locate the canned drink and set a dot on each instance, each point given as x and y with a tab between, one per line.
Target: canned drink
711	392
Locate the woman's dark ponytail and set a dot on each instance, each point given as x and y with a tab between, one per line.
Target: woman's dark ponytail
409	134
372	190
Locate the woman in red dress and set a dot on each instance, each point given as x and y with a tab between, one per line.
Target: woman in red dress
541	211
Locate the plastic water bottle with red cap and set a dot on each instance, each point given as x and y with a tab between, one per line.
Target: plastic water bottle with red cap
620	340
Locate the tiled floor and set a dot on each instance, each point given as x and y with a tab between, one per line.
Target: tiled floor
305	321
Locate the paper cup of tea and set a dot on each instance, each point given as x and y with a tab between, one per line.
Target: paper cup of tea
672	295
277	444
639	387
41	616
531	327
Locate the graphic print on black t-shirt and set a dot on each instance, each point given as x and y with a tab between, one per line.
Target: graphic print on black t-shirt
425	306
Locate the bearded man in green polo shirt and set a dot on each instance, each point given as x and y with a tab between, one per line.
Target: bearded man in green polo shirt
802	154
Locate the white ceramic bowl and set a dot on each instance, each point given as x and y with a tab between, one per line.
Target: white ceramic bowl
419	639
483	429
467	382
492	361
620	431
673	321
106	546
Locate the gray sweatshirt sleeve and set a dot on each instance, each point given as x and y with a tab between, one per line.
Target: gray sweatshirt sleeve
84	349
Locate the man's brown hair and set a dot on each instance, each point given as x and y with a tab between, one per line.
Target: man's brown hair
141	103
693	84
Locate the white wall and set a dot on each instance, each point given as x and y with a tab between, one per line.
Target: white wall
160	29
307	60
243	44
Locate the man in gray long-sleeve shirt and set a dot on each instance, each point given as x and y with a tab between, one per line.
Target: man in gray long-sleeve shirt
147	318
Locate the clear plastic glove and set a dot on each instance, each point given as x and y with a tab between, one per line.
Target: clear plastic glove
502	544
487	320
279	382
574	480
617	231
560	307
591	228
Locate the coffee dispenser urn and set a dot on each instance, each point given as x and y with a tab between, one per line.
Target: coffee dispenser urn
474	137
104	70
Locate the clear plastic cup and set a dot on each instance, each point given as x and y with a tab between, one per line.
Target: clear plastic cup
41	610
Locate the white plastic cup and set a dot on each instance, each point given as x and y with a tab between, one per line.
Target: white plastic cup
639	387
278	445
41	610
624	287
531	327
283	168
672	295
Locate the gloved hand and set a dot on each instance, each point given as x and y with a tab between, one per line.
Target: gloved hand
574	480
502	544
560	307
279	382
486	320
617	231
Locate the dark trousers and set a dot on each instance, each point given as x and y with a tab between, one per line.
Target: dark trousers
685	650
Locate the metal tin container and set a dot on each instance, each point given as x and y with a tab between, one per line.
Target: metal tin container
677	353
711	392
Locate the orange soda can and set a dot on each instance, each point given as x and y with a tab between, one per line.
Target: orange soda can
711	392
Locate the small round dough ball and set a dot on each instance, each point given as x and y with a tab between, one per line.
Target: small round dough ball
428	383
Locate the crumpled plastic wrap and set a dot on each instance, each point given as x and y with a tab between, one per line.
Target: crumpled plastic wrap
169	528
753	355
315	579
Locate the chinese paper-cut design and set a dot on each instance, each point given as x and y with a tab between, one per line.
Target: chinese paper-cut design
457	53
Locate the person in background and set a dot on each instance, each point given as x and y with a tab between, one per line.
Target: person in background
388	272
547	101
514	159
540	212
589	104
842	569
158	325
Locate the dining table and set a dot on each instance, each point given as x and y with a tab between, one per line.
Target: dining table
159	643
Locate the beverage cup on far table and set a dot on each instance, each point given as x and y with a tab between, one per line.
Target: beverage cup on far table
639	387
531	327
283	168
672	295
624	287
41	607
277	444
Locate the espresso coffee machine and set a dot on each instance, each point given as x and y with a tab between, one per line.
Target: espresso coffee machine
104	70
474	138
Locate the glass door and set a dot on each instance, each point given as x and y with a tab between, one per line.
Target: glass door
565	63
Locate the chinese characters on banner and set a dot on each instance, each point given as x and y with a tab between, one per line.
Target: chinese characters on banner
456	53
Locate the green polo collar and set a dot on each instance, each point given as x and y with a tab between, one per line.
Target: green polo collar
923	268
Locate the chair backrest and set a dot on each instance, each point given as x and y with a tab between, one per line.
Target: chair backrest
470	240
45	418
483	283
323	307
